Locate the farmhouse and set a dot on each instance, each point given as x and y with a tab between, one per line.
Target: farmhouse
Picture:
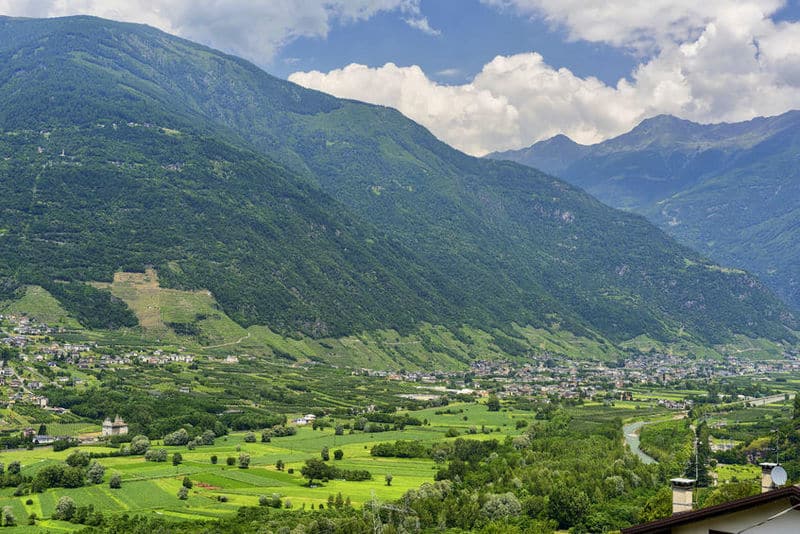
114	428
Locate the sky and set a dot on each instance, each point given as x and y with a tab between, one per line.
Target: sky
487	75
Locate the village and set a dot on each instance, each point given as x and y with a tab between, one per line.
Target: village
34	358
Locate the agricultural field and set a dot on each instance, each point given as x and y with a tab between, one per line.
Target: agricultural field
36	302
151	487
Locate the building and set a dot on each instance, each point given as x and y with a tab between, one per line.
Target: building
773	511
117	427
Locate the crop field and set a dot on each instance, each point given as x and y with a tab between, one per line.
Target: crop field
151	487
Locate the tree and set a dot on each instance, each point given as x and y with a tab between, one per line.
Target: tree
493	403
183	493
389	479
78	459
42	430
214	459
796	411
279	465
177	458
697	466
156	455
250	437
115	482
325	453
568	505
731	492
65	509
187	483
208	437
139	445
262	500
499	506
13	468
658	506
315	469
8	519
95	473
338	454
179	437
244	460
230	460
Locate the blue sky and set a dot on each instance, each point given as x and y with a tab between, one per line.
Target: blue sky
471	35
486	75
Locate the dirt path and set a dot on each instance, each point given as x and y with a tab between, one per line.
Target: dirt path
229	343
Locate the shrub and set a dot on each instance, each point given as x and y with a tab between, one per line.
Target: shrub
244	460
208	437
262	500
7	518
95	473
214	459
65	509
183	493
177	458
222	498
325	454
115	482
250	437
139	445
338	454
156	455
179	437
230	460
187	483
78	459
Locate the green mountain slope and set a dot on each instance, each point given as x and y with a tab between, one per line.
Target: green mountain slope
176	156
730	191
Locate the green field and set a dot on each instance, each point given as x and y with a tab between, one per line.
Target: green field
37	303
151	488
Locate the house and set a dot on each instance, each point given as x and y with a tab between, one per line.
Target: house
117	427
773	511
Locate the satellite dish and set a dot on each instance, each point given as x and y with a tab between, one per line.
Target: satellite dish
779	476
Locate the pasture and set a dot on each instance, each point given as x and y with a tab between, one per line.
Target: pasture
151	487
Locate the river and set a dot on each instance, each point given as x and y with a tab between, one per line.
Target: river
631	431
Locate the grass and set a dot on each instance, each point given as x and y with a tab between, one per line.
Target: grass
149	487
155	307
37	303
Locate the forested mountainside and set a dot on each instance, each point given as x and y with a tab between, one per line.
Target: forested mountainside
730	191
123	147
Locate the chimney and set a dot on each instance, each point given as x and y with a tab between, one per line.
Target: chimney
682	489
766	476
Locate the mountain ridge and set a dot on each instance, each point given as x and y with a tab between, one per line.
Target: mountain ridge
435	235
727	190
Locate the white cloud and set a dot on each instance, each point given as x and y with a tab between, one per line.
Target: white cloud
640	25
709	62
422	24
449	73
464	115
254	29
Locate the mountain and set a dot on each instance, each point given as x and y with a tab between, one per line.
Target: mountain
730	191
123	147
